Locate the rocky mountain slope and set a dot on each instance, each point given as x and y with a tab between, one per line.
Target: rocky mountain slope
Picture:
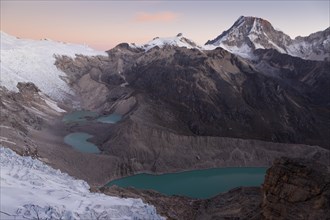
251	33
209	106
211	93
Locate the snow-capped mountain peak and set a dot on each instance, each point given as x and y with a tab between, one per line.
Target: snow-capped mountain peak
179	41
250	33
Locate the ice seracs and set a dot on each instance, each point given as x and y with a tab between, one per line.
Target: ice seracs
32	190
25	60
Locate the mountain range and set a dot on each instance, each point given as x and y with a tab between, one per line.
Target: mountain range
251	33
249	96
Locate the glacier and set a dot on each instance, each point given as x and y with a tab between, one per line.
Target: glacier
31	189
24	60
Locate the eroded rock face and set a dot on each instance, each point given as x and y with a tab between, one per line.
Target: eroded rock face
296	189
16	107
22	113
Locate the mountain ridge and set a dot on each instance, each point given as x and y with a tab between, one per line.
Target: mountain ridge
250	33
179	40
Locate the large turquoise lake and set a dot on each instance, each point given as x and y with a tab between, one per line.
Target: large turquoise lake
196	184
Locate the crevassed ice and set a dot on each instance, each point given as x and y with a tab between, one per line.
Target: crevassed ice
31	189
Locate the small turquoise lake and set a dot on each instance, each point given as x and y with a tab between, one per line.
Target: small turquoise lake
78	140
196	184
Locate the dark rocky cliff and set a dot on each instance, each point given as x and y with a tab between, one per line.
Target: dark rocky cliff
296	189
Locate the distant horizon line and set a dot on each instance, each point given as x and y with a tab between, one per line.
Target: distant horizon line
95	48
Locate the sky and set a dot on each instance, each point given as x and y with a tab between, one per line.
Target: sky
104	24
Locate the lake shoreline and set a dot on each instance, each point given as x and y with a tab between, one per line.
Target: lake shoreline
183	171
213	181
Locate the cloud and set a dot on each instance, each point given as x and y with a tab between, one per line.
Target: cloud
165	16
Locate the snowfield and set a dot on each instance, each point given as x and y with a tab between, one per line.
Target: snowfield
31	189
33	61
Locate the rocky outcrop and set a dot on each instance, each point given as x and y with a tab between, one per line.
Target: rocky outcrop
22	112
16	109
296	189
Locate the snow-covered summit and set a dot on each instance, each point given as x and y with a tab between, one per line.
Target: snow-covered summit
32	190
179	41
250	33
24	60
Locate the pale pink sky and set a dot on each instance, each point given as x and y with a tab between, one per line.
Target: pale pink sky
104	24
